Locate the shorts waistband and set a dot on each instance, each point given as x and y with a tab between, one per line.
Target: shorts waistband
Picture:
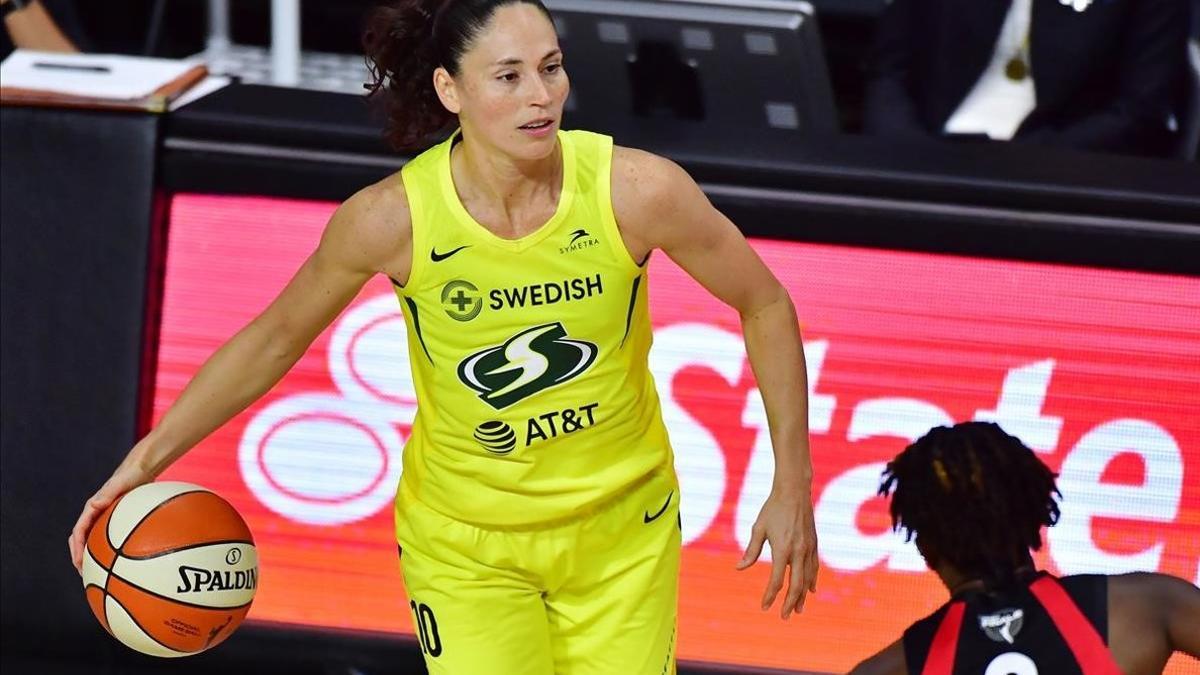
405	498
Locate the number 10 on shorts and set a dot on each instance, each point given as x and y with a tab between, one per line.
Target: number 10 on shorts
426	629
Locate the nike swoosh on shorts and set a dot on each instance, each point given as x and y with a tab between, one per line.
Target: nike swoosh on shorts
647	518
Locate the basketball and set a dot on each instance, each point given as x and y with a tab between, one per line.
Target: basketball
170	569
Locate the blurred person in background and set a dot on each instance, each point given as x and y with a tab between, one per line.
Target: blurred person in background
39	25
1103	75
976	500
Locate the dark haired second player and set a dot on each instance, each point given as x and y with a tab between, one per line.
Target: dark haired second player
538	509
976	499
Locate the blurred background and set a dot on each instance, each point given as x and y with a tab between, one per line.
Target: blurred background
982	210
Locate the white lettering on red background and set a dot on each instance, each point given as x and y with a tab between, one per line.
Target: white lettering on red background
1097	370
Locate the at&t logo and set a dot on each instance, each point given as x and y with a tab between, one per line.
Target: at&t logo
496	437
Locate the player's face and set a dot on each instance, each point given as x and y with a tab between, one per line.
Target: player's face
511	84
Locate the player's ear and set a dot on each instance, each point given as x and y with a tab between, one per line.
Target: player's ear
447	90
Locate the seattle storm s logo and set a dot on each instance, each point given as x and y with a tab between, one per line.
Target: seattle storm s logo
535	359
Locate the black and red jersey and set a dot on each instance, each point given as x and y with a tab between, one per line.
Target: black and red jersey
1043	626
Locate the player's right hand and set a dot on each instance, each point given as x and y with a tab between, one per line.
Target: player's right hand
125	478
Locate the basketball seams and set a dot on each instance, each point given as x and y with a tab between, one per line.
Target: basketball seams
199	529
146	515
104	604
141	627
90	560
103	612
106	569
108	531
129	510
107	516
194	517
223	542
176	601
90	564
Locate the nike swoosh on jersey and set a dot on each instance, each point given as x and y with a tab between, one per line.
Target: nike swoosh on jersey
647	518
438	257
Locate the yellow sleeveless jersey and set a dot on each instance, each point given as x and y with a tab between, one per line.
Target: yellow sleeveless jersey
534	398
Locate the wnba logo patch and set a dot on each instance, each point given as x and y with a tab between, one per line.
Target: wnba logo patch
496	436
1002	626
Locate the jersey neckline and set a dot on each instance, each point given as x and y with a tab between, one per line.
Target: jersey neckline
566	194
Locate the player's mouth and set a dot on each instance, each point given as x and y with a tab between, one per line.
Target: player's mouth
539	127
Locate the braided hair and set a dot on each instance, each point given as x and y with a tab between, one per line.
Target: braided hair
974	496
404	42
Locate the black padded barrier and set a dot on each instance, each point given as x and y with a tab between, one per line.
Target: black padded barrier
76	189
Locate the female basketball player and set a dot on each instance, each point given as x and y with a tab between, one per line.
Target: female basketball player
538	509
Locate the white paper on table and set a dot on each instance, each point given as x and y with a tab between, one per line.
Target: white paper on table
106	76
202	88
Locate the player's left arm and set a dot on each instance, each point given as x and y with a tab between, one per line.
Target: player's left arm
659	206
1177	603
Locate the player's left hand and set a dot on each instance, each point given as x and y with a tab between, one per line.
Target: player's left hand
786	521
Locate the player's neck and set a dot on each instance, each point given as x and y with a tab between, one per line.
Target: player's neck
508	184
958	582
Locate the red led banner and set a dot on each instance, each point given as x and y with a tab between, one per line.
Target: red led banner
1098	370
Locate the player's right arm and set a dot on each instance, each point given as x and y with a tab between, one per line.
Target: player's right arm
369	234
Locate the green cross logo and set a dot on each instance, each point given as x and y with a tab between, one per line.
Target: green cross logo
461	300
535	359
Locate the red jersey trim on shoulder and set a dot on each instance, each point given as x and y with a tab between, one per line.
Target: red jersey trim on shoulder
1084	641
944	648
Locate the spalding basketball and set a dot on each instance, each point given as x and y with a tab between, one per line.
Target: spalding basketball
170	569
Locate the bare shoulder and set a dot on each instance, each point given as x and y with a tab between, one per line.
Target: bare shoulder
378	212
889	661
372	229
650	196
1149	588
644	178
1151	615
1145	600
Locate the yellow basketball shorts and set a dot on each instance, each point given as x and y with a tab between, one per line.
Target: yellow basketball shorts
593	596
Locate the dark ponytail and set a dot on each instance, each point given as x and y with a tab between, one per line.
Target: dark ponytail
403	43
